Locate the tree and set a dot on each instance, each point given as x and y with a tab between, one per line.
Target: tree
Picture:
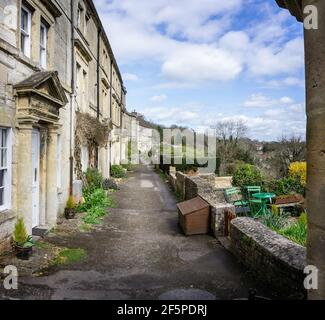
290	149
229	133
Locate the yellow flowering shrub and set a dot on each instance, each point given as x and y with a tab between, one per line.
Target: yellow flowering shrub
299	169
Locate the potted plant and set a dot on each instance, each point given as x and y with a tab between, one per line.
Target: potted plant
70	209
23	243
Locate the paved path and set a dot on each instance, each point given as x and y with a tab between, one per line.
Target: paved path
140	253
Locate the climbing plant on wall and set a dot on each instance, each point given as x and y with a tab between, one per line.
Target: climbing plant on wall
89	132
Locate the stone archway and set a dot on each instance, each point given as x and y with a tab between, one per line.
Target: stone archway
39	99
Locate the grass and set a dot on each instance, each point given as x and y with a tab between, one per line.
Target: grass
70	256
296	232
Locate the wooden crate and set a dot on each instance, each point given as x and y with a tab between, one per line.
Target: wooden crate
194	216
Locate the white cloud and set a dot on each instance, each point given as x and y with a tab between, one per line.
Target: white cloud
261	101
195	44
201	63
286	100
130	77
159	98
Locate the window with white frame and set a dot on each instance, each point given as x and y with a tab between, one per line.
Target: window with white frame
43	45
5	169
25	31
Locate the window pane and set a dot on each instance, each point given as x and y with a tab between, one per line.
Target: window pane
3	158
24	20
3	138
1	196
43	36
2	178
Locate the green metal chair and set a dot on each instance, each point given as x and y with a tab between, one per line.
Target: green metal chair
235	196
254	204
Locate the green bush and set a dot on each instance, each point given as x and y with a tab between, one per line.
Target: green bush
94	178
70	203
286	186
20	236
117	171
247	175
275	221
96	205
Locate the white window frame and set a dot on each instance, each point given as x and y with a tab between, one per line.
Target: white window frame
26	49
58	162
43	45
8	171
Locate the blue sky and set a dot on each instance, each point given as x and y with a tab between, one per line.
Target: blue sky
197	62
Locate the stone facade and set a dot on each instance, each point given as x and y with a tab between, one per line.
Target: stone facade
274	259
51	70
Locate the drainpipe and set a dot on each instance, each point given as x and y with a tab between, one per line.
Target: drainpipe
121	124
72	97
110	112
98	90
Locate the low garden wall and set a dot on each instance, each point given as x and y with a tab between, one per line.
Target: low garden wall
273	258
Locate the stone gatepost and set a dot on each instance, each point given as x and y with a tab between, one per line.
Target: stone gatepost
315	86
24	187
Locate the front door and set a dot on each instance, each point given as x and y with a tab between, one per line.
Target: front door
35	174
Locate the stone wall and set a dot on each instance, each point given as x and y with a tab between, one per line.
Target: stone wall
180	184
204	186
274	259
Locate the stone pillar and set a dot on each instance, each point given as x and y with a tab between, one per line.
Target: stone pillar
315	78
25	176
51	178
43	171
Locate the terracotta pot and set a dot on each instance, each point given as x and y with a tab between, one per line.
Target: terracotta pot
69	213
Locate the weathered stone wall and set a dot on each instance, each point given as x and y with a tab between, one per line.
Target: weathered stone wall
180	184
198	184
274	259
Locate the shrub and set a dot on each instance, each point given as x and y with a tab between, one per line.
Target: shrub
20	236
247	175
94	199
286	186
94	178
275	221
96	205
117	171
299	170
297	232
109	184
70	203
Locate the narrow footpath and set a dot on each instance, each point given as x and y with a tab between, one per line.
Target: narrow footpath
140	253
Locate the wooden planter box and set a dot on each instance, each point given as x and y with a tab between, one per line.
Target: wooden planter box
289	200
194	216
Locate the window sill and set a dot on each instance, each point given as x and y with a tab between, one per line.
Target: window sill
6	215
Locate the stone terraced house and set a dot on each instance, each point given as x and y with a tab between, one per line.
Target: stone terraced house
58	78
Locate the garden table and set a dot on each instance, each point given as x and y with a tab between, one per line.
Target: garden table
265	197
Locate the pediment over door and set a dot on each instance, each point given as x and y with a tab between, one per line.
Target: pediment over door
40	98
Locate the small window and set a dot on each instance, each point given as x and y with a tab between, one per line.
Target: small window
43	45
25	31
5	169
